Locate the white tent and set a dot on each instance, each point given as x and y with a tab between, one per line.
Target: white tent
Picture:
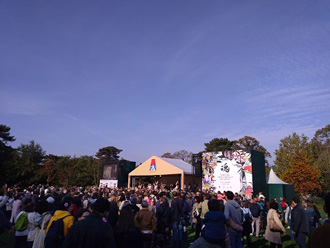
273	179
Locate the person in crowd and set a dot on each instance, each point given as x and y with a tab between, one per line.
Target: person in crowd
205	207
133	206
125	202
234	212
33	225
196	214
81	214
177	220
163	215
42	218
3	197
247	222
4	222
287	219
214	232
310	214
317	215
272	235
255	211
76	205
320	236
283	205
92	232
9	205
147	222
21	224
17	207
152	206
62	215
128	235
112	216
299	224
186	210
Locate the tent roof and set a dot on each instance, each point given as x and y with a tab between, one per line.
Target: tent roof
182	165
164	166
273	179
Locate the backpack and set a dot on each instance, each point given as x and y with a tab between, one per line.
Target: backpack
55	235
22	222
255	210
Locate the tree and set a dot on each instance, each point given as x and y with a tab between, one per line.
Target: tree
29	164
5	137
49	167
302	174
218	144
182	154
249	143
287	150
6	153
108	153
321	151
65	171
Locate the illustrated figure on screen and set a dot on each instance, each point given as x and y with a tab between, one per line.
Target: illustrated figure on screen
242	178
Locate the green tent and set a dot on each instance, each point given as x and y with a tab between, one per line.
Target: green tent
278	188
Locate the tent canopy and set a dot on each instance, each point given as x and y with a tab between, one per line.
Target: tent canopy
273	179
156	166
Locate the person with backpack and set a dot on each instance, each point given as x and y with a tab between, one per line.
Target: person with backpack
21	224
59	225
255	211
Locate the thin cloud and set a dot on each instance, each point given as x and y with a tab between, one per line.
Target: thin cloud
23	103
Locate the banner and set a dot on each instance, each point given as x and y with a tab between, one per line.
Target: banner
228	171
108	183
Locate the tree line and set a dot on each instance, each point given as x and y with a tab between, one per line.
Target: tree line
298	160
29	164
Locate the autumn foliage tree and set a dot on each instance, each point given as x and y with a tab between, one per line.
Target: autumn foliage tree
302	174
287	151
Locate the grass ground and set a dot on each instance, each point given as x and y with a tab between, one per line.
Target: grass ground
7	239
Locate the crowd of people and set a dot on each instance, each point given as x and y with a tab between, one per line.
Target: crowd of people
154	216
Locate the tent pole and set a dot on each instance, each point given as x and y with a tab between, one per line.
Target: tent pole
129	182
182	180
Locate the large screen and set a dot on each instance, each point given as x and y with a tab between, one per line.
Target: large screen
109	171
228	171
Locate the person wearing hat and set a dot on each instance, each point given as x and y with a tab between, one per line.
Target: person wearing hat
147	222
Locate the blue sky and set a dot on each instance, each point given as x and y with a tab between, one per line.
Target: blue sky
151	77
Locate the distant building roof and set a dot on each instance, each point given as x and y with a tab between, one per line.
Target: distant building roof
273	179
